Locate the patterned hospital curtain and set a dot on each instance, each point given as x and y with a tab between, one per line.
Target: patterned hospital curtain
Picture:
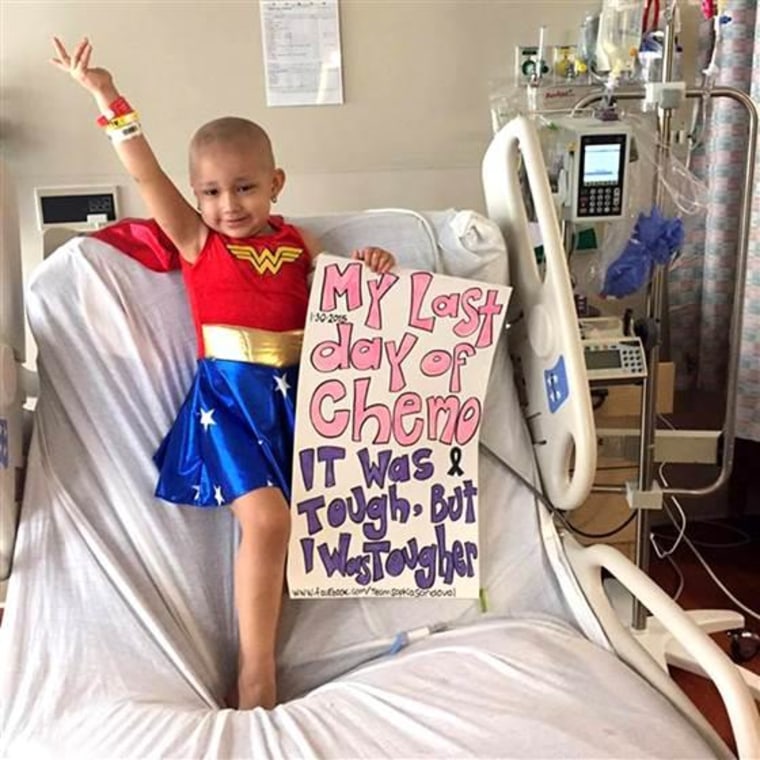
701	284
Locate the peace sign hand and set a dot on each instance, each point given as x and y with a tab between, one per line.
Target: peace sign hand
95	80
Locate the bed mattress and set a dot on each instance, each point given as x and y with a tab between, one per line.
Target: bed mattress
119	635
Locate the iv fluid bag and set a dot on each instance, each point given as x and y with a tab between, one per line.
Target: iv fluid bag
619	35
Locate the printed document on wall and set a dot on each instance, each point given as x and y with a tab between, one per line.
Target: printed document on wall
302	61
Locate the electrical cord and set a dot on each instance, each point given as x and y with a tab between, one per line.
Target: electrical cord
681	530
683	537
554	511
583	533
681	580
745	537
748	610
666	554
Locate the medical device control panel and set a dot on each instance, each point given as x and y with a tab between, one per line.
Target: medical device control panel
79	208
620	360
611	356
594	185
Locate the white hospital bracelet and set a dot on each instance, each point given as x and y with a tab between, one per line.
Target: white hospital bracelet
125	133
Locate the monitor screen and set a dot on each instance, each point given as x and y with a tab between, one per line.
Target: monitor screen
601	163
603	359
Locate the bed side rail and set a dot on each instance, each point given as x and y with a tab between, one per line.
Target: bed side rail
587	563
544	339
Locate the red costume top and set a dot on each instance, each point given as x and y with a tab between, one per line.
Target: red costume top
258	282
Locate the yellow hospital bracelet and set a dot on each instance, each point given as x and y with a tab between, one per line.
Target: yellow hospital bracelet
118	122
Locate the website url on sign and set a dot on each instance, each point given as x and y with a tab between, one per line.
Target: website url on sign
398	593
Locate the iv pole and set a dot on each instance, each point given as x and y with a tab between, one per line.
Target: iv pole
658	642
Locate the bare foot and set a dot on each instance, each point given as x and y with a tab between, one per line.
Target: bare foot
257	687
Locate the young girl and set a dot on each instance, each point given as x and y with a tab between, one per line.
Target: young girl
246	278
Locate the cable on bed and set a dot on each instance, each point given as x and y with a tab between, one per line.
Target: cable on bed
557	512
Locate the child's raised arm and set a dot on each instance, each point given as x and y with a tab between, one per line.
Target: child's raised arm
165	203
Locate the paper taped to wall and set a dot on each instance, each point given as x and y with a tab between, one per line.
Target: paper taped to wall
302	60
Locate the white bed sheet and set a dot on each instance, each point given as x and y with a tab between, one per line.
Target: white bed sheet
119	635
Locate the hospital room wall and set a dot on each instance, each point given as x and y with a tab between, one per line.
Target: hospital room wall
412	130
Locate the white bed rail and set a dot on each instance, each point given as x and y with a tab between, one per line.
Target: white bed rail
543	336
587	563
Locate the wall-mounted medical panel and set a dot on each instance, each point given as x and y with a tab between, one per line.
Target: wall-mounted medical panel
80	208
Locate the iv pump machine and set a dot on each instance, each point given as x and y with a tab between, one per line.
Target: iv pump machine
593	183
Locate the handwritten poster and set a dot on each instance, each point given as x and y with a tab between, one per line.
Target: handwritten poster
393	373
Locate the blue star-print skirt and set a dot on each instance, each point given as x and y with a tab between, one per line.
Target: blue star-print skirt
233	434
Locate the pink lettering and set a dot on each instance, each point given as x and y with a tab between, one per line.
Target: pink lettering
420	284
448	419
438	361
377	289
468	421
489	311
396	357
436	405
446	305
407	404
469	323
347	283
362	412
483	315
435	363
461	352
367	354
329	427
330	355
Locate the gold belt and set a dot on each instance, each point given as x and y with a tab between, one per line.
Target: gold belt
247	344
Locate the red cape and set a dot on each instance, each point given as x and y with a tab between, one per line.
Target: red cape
142	240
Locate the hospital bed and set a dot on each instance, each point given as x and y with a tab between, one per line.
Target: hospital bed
119	639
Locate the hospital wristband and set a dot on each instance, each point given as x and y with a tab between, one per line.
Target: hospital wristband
121	121
124	133
119	107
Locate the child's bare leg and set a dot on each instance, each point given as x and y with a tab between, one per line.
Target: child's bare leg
259	574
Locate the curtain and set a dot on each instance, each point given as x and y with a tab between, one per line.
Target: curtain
701	283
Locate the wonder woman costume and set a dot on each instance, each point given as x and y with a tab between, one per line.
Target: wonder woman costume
248	297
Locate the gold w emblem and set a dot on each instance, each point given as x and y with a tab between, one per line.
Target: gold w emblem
265	260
